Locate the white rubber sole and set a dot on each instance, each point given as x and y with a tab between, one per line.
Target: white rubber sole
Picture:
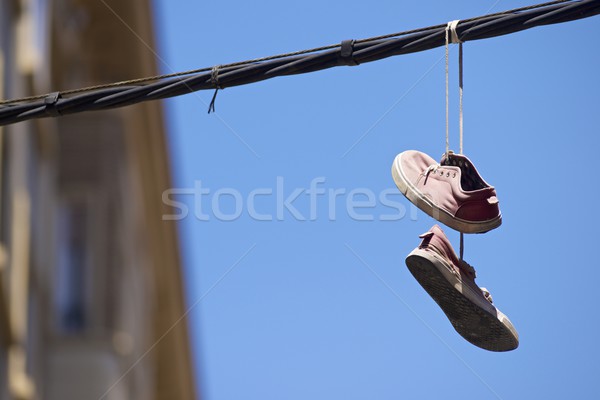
472	316
435	212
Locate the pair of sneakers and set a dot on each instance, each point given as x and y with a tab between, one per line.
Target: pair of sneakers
453	192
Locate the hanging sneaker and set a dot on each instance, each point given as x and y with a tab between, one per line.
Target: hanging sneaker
451	283
451	192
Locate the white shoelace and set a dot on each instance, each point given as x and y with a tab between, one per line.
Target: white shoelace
487	295
452	37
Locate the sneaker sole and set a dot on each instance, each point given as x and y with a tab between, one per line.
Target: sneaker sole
480	324
424	204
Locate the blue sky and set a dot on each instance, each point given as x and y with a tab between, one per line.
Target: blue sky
314	305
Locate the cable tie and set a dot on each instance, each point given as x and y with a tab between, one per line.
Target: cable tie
346	52
214	79
453	34
50	102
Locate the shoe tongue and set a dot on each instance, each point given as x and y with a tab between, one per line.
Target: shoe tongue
450	158
469	178
440	240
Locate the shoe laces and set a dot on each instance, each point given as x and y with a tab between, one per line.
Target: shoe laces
487	295
468	268
432	168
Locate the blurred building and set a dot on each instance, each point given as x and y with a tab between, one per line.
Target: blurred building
91	292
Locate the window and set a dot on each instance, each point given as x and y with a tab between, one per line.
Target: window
73	265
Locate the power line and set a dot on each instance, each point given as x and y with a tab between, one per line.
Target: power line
349	52
275	57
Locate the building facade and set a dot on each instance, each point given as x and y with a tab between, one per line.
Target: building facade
91	284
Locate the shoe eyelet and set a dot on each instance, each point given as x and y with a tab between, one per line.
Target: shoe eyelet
447	174
454	175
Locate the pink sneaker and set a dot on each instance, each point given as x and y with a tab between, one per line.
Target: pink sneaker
451	283
451	192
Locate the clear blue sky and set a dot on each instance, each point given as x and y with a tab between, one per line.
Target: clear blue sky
324	307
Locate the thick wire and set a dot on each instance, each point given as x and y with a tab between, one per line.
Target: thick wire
261	59
124	93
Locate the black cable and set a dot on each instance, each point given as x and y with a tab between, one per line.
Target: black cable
239	63
358	52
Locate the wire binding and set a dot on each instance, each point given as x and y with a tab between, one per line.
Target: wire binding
214	80
452	28
347	52
50	102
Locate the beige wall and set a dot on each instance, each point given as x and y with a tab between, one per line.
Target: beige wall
90	274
